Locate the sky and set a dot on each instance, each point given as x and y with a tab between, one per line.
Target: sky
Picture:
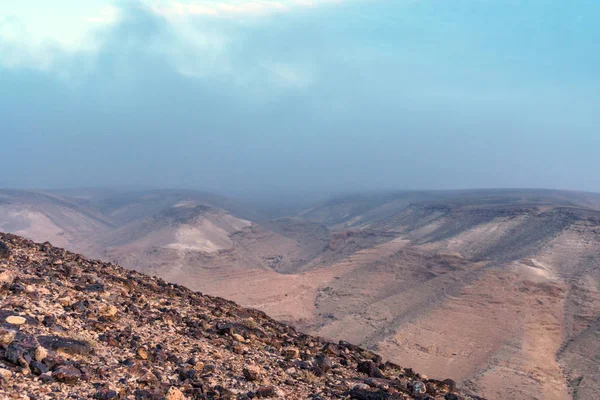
263	97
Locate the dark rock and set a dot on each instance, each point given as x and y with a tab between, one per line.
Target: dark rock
323	362
141	394
450	396
369	368
450	384
4	251
68	346
106	394
331	349
38	368
49	321
17	355
266	391
53	361
364	394
251	373
67	374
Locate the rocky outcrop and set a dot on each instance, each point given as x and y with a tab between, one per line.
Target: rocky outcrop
77	328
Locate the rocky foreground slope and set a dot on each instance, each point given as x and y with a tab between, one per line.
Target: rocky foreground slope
77	328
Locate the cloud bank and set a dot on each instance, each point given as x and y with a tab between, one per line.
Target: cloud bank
334	96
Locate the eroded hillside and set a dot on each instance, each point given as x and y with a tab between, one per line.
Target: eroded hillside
76	328
498	289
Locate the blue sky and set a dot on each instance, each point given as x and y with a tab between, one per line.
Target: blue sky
255	96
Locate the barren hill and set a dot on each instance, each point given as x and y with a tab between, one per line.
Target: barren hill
76	328
497	289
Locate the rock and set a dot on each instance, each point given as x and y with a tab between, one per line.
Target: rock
175	394
67	374
266	391
450	384
15	320
7	335
148	378
5	374
7	277
418	387
142	353
109	311
65	345
369	355
323	362
251	373
291	353
239	338
331	349
199	366
4	251
40	353
451	396
17	355
369	368
106	394
38	368
358	393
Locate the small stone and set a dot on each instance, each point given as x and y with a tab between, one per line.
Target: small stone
450	384
109	311
15	320
266	391
66	301
323	362
331	349
251	373
5	374
67	374
38	368
106	394
369	368
291	353
40	353
419	387
7	335
6	277
4	251
239	338
199	366
250	323
175	394
142	353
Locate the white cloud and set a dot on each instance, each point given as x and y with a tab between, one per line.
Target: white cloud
239	7
107	15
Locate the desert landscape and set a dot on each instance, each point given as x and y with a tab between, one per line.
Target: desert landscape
496	289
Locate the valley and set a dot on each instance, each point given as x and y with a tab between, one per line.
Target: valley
496	289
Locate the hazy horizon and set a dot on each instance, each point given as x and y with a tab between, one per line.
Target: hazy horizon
324	97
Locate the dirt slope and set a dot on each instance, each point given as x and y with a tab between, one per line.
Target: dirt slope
76	328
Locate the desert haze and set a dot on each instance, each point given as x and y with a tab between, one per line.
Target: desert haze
496	289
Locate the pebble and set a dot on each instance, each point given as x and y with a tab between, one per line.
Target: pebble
15	320
291	353
7	277
175	394
251	373
5	374
7	335
40	353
